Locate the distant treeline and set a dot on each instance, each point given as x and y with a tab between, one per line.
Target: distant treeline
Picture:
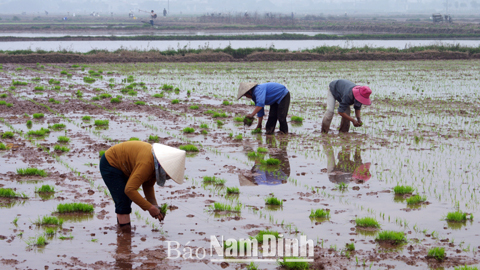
283	36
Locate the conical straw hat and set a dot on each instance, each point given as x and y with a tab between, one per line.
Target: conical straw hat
244	88
172	161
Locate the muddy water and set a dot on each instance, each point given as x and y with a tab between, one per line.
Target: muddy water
292	45
386	141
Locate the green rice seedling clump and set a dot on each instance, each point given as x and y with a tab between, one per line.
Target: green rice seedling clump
225	207
61	148
104	96
50	231
213	180
400	190
270	162
101	153
238	119
262	150
239	137
273	201
466	267
40	241
167	87
194	107
233	190
218	114
3	95
203	125
132	93
163	209
9	105
140	103
153	138
63	139
31	171
134	139
49	220
19	83
367	222
41	132
74	207
257	131
437	253
252	154
3	102
261	233
63	72
101	122
86	118
457	216
45	188
189	148
175	101
226	103
39	88
88	80
29	122
188	130
297	119
350	246
7	135
294	264
7	193
416	199
115	100
158	96
3	146
75	66
391	236
204	132
319	213
57	126
38	115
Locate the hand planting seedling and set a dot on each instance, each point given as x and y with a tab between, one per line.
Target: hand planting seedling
248	121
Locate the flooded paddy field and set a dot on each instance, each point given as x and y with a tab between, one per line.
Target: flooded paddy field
421	131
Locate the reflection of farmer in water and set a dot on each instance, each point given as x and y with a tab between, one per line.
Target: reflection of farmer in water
127	166
346	170
347	94
260	175
274	94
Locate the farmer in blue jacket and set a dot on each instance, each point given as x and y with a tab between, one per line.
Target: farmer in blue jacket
274	94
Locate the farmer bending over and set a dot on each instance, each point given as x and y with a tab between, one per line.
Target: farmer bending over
346	93
128	165
274	94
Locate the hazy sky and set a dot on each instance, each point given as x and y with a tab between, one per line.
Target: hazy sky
204	6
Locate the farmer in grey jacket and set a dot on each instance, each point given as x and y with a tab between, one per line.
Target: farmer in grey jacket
346	93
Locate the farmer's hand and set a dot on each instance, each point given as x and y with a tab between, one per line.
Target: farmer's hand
155	212
360	122
251	115
355	123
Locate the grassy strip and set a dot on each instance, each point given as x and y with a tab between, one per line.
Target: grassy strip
391	236
74	207
31	171
367	222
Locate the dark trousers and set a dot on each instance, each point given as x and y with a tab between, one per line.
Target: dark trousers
278	112
116	180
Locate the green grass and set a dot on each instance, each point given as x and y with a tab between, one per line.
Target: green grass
189	148
262	150
9	105
163	209
52	81
41	132
52	100
8	193
416	199
132	93
194	107
45	188
256	131
319	213
293	265
175	101
63	139
3	102
49	231
153	138
188	130
3	146
391	236
204	132
86	118
203	125
260	235
49	220
213	180
465	267
4	95
19	83
75	66
95	98
61	148
400	190
226	103
270	162
233	190
209	112
7	135
437	253
239	137
218	114
101	122
101	153
226	207
74	207
39	88
63	237
57	126
273	201
32	171
253	155
369	222
40	241
158	96
134	139
167	87
88	79
350	246
457	216
38	115
115	100
297	119
220	123
238	119
140	103
104	96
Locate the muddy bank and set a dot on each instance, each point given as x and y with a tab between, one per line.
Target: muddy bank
130	57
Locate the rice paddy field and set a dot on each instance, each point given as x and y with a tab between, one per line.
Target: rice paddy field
388	195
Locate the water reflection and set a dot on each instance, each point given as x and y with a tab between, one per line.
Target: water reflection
124	248
346	170
263	175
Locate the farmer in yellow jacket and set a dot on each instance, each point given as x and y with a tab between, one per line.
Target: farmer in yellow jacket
127	166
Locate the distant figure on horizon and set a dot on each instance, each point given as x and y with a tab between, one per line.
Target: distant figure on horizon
164	12
153	16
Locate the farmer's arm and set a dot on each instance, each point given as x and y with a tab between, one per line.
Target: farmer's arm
149	191
260	93
357	114
259	111
140	173
341	111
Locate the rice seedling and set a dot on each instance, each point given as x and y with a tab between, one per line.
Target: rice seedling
157	95
400	190
219	123
233	190
163	209
102	122
52	100
251	266
104	96
41	132
75	207
115	100
50	231
61	148
253	155
204	132
293	263
368	222
132	93
457	216
226	103
63	139
262	150
209	112
238	137
8	193
45	189
213	180
167	87
262	233
8	135
38	115
319	213
218	114
297	119
153	138
15	220
416	199
75	66
39	88
391	236
273	201
188	130
465	267
9	105
256	131
203	125
238	119
12	87
189	148
342	186
175	101
31	171
57	126
3	102
350	246
40	241
3	146
134	139
225	207
86	118
52	81
270	162
194	107
63	72
3	95
49	220
79	93
437	253
139	103
101	153
19	83
64	237
88	80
